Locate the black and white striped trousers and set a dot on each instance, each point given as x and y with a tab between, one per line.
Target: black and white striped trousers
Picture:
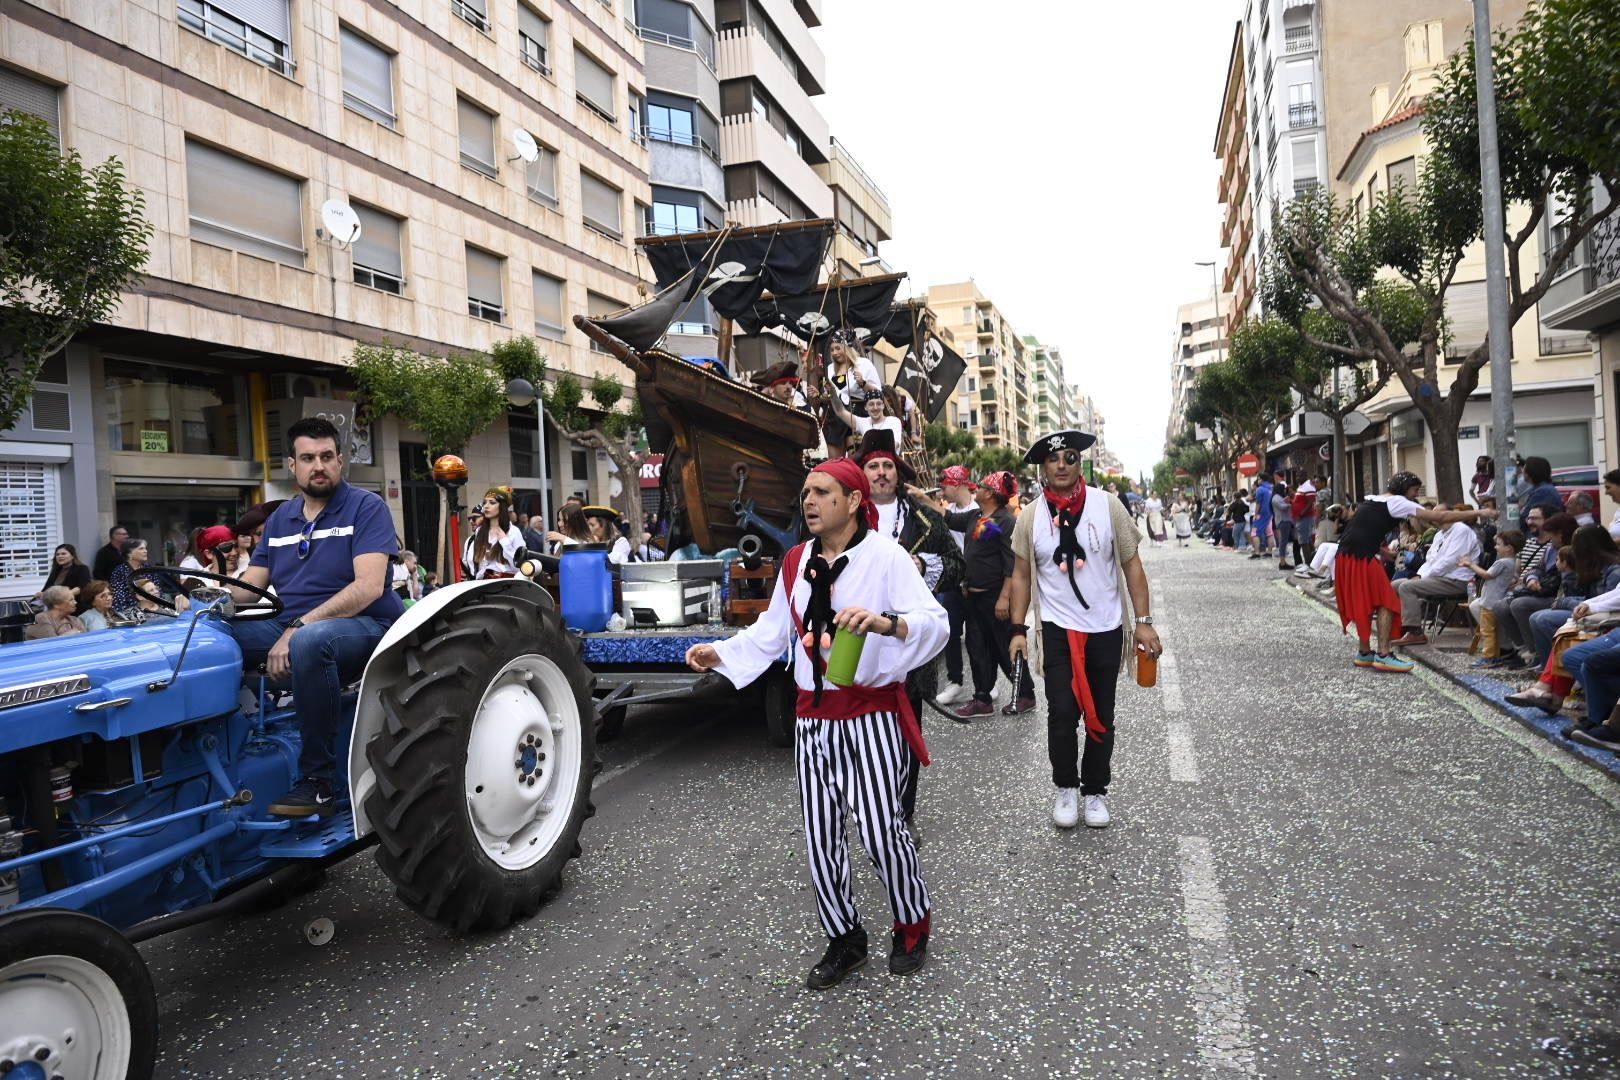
857	766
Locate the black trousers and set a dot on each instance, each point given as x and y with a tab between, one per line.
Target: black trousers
1065	730
956	607
988	641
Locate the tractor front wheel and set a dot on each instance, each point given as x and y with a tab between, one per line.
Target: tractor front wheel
76	1000
484	764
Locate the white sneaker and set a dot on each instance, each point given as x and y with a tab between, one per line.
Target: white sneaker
1066	811
1097	812
955	693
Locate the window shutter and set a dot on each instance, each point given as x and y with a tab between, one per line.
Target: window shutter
1406	172
30	529
532	26
1465	311
477	133
593	82
237	204
484	277
1304	159
379	245
267	16
598	305
548	302
368	78
20	93
542	178
602	206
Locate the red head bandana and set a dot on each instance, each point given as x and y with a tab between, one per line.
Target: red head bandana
852	476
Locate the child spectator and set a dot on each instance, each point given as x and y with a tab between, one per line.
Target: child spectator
1492	584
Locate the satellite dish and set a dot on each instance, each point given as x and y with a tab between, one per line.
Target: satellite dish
526	147
342	223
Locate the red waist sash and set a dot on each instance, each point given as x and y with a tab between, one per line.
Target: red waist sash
847	703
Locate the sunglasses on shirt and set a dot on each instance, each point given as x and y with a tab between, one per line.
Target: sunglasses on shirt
304	537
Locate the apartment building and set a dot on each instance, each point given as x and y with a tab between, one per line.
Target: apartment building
1553	393
1240	275
1585	299
682	131
861	210
772	137
993	398
1199	338
1052	397
491	153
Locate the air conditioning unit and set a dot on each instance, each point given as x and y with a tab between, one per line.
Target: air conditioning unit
298	385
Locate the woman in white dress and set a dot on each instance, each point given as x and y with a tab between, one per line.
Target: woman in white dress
1181	520
493	549
1155	520
603	521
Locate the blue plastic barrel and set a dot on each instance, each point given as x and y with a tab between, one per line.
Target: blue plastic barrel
586	580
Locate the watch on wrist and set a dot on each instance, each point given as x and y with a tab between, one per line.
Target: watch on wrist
296	624
1144	620
894	623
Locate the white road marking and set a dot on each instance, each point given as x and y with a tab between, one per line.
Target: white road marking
1183	764
1226	1043
607	776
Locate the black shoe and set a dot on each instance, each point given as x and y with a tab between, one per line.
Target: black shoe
310	797
1603	737
904	961
844	954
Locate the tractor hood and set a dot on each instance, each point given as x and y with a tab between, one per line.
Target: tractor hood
57	688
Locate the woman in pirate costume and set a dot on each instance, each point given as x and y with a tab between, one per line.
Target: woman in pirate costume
603	523
852	742
1074	550
492	551
850	377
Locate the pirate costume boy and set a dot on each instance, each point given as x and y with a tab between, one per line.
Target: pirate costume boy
1075	551
854	744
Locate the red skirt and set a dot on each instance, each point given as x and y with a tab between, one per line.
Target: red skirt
1362	587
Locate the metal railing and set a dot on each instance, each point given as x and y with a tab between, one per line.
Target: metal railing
676	41
679	138
855	167
1302	115
237	35
533	53
470	15
380	280
1604	244
1297	39
483	309
1305	185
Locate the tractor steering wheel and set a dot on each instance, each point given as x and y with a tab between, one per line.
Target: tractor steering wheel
254	613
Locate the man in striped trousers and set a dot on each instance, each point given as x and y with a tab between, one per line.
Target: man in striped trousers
852	740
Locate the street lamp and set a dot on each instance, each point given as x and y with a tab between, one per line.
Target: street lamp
521	393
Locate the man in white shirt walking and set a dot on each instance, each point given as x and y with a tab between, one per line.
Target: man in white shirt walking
1443	576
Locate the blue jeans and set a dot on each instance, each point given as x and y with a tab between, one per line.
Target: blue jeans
326	656
1595	665
1262	532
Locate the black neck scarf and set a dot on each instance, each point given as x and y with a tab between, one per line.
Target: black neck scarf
818	613
1070	551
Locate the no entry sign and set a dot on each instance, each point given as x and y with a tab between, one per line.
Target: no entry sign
1248	464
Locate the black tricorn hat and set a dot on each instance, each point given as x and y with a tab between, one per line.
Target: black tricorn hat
880	441
1047	445
605	512
782	369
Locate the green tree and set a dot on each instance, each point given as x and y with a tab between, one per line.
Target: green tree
1382	276
71	239
606	427
1240	401
449	399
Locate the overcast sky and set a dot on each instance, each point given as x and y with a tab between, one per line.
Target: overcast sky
1060	155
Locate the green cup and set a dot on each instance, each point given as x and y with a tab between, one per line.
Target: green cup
845	657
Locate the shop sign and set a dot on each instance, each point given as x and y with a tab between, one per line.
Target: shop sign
154	442
652	470
1469	432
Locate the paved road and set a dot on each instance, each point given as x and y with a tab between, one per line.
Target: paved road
1313	872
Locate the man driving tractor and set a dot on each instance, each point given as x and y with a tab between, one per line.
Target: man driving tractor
326	552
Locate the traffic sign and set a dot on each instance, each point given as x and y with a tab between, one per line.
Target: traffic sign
1248	464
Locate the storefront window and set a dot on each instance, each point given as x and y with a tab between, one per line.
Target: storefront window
156	409
165	515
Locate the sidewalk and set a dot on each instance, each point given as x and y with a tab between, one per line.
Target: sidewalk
1447	655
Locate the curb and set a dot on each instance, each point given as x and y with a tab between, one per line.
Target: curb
1492	692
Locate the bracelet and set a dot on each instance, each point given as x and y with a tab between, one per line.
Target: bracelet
1019	629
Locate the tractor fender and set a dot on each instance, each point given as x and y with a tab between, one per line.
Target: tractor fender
387	664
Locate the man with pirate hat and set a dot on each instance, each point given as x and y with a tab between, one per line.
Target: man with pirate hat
1075	552
780	382
854	745
915	525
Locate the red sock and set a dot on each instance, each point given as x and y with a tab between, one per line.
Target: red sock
911	933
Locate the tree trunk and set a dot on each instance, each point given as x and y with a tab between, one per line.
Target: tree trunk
1448	479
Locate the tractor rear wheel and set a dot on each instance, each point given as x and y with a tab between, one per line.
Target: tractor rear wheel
76	1000
484	763
781	700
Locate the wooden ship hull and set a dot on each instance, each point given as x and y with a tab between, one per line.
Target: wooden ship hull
726	446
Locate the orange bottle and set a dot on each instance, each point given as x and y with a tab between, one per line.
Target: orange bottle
1147	667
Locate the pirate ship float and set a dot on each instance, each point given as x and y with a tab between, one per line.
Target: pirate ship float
734	459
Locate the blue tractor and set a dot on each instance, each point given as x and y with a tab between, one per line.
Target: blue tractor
135	764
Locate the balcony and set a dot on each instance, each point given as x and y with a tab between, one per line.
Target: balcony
747	138
986	329
987	394
1588	298
1304	185
704	50
1302	115
1298	39
744	54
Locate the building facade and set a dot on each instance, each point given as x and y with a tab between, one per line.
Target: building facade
1199	338
1233	138
861	211
993	398
491	152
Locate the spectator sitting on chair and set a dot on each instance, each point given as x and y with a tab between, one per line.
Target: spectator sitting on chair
327	554
1589	566
1539	582
1494	582
98	611
1443	576
57	620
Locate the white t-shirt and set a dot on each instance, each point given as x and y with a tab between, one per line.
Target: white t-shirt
863	424
1097	578
1614	526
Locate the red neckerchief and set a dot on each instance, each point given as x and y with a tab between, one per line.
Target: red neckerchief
1070	506
1070	553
